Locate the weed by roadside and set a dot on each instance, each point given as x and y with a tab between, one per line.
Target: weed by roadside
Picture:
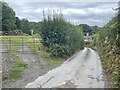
17	67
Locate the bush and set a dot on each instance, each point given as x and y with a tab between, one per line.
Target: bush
107	44
60	37
58	50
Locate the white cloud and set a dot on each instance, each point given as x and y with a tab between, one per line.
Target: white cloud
62	0
74	11
39	10
92	13
101	11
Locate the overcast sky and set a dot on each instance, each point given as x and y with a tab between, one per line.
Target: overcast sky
91	13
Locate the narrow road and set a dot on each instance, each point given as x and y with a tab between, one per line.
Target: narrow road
83	70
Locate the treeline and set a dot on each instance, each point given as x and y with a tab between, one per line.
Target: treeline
9	22
89	29
60	37
107	41
12	23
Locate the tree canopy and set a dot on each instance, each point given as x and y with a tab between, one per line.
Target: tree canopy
89	29
8	18
18	23
25	27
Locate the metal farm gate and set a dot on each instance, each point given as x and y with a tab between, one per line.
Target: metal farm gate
22	44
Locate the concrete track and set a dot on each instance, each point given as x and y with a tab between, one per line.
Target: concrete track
83	70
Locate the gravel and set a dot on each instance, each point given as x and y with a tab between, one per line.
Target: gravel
36	67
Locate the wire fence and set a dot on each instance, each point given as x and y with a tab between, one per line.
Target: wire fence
24	44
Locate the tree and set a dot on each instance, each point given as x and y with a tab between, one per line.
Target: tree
8	18
0	16
18	23
25	26
35	26
86	28
89	29
118	29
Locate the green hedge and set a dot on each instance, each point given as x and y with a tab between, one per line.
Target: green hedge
60	37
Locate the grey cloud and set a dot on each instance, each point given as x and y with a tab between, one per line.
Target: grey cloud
67	4
91	19
27	10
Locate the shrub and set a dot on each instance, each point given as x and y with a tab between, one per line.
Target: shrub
60	37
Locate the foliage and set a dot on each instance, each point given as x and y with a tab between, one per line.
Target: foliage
8	17
95	38
60	38
118	28
35	26
74	39
18	23
89	29
11	23
0	16
25	27
107	42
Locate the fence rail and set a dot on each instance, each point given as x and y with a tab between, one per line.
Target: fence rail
25	44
